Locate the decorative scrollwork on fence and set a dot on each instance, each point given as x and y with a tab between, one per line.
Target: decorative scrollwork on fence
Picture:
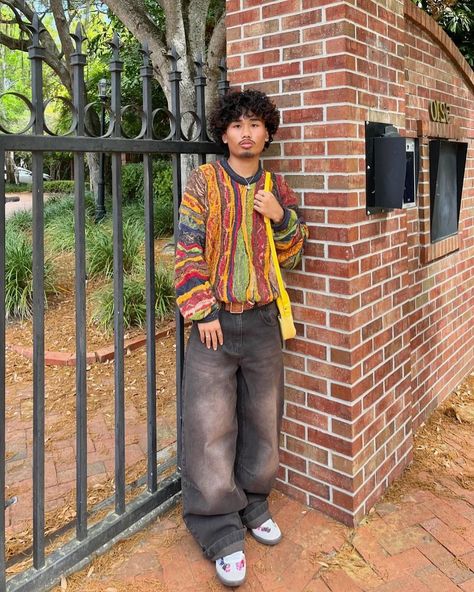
68	103
30	107
187	126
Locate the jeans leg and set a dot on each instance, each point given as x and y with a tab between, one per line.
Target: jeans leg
260	409
211	497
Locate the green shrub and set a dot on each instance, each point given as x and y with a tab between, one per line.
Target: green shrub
163	218
164	293
57	207
132	188
59	221
17	187
134	301
60	234
132	181
100	251
59	186
20	221
19	276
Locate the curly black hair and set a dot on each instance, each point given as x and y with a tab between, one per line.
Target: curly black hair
231	106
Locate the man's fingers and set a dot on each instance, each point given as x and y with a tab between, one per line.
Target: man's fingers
202	334
211	334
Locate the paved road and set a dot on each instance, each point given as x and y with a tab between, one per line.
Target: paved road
23	204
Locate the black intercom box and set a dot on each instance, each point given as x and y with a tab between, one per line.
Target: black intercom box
391	168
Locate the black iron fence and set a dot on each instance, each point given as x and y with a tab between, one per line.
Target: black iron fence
38	139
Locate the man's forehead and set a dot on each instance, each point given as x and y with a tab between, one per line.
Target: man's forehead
249	116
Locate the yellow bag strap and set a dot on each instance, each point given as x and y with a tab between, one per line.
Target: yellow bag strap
285	299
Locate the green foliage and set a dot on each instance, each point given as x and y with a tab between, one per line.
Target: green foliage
132	187
16	188
20	221
457	19
164	293
19	276
58	205
59	187
134	300
132	181
100	251
59	221
60	235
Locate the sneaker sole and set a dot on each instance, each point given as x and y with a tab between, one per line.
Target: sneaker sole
231	584
266	541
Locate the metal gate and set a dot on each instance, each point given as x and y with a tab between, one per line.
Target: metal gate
38	139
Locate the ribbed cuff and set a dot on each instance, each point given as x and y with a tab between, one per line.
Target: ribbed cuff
212	316
284	223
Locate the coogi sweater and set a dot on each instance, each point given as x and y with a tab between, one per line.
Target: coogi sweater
222	253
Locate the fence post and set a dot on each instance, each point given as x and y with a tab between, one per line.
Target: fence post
78	62
36	55
116	67
146	72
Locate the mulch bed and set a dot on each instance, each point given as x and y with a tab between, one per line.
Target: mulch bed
60	405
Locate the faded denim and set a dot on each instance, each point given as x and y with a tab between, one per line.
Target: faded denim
232	409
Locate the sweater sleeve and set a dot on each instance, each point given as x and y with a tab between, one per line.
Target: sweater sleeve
194	295
291	233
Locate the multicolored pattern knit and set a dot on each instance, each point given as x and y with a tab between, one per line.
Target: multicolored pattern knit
222	254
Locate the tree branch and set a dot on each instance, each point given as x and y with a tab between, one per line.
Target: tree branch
12	43
215	52
134	16
63	29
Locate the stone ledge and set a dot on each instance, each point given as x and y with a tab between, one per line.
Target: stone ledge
104	354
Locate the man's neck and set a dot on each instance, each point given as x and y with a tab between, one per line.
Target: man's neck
245	167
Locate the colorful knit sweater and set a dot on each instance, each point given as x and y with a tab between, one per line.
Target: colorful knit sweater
222	253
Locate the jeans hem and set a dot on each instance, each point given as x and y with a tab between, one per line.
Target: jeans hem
228	544
256	517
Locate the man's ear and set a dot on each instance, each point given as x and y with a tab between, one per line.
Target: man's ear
224	138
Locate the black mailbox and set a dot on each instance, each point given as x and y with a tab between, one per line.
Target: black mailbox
386	166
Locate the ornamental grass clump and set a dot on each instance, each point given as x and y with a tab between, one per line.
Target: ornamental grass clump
19	276
20	221
100	249
134	300
60	222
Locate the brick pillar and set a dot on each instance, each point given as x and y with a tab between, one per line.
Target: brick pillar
329	67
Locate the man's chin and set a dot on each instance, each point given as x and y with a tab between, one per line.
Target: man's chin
247	154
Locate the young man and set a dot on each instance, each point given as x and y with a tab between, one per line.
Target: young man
233	375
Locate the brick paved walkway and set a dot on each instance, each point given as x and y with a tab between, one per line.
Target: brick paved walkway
422	543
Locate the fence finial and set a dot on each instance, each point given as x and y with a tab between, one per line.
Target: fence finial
116	46
223	84
79	37
146	53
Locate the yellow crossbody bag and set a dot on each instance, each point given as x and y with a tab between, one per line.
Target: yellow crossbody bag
287	326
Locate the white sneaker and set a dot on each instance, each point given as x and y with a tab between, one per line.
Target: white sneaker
231	569
267	533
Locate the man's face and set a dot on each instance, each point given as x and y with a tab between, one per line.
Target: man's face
246	137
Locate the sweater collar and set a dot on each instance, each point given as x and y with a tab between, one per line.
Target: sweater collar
236	177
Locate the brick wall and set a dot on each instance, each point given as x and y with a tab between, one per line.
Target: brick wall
357	372
442	275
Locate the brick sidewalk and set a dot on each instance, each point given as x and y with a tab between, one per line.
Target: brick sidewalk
423	543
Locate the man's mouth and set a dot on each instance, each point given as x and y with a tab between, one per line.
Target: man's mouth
246	144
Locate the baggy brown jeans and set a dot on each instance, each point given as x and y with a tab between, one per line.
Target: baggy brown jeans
232	409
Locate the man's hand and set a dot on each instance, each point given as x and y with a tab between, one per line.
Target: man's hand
211	334
266	203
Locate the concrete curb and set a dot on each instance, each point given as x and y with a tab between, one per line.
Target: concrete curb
105	354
